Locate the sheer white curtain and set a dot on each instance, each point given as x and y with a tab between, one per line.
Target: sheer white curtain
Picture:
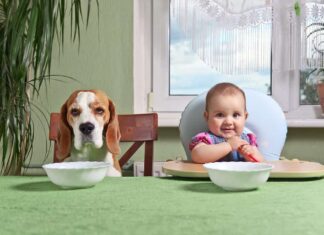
228	35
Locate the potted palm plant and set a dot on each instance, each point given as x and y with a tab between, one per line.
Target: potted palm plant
28	30
319	83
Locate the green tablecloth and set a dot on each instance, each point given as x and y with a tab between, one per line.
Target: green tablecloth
148	205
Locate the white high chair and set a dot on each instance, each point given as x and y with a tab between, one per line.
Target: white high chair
266	120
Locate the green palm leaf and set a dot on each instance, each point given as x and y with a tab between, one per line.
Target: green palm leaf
28	30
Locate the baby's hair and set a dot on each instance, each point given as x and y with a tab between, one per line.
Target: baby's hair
224	88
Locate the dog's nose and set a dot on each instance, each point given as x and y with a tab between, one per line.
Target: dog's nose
86	128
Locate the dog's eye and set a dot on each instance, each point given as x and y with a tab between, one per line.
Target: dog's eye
75	112
100	110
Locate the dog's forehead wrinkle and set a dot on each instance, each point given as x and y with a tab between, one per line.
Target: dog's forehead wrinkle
85	98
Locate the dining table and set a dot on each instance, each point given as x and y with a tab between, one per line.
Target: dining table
160	205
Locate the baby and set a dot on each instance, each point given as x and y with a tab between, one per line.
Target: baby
226	140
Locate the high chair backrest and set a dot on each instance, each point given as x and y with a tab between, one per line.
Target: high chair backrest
137	128
266	120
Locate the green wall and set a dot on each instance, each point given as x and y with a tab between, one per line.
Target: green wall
105	60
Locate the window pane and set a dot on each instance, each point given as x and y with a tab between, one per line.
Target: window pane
190	74
313	44
308	95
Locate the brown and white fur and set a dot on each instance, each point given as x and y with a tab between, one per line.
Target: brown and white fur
89	130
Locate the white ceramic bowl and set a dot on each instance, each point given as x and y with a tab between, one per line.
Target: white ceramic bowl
238	176
76	174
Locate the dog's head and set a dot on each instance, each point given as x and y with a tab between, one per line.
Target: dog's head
86	117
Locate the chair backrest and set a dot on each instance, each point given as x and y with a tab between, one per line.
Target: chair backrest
266	120
137	128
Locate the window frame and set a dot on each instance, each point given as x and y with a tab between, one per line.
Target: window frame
151	73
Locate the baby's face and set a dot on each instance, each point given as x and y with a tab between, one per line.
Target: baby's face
226	115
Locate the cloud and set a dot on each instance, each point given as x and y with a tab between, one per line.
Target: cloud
190	75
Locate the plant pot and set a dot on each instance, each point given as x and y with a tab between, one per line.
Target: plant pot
320	93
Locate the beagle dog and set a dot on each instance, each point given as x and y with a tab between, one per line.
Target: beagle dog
89	130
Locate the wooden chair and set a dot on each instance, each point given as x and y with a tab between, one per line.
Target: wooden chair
137	128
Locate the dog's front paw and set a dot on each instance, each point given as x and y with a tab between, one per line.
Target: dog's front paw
113	172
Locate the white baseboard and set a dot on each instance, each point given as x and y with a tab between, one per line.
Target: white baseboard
157	169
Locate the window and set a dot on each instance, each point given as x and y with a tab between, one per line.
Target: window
154	91
312	51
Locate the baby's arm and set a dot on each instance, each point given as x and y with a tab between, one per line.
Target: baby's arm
203	153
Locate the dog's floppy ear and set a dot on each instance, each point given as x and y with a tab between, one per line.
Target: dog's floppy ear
64	137
112	131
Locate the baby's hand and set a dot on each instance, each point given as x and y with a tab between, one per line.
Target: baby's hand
236	142
250	153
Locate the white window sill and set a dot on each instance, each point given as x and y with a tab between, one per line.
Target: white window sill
173	119
304	123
